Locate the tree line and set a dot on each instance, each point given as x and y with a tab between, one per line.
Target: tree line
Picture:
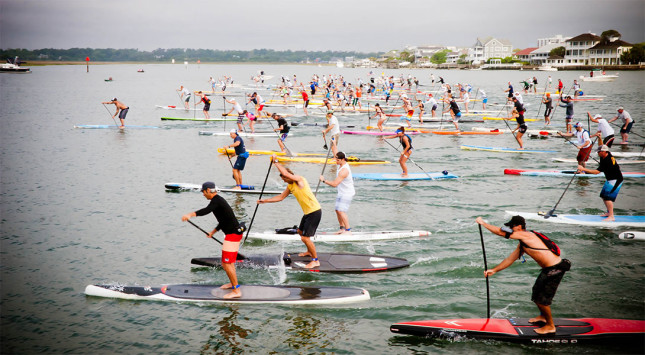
180	54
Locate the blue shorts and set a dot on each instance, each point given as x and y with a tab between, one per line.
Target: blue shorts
628	128
125	112
343	202
283	137
485	100
606	194
240	162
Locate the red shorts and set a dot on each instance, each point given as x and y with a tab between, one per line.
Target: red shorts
583	154
229	257
233	237
260	108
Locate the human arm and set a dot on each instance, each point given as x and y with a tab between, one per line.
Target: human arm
505	263
493	229
188	216
333	183
582	169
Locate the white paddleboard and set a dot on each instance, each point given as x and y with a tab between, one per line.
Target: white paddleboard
583	220
632	235
621	162
241	134
332	238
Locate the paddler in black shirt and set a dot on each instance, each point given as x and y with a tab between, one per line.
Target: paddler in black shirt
610	168
521	125
283	127
229	225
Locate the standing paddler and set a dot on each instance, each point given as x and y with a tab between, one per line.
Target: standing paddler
207	104
333	128
299	187
242	155
119	107
406	143
614	177
229	225
344	183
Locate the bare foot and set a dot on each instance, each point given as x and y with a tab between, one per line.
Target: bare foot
305	254
121	127
404	175
236	293
312	264
346	232
237	187
538	319
624	143
604	214
341	231
546	330
609	219
228	285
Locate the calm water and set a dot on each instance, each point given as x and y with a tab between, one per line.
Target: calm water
88	206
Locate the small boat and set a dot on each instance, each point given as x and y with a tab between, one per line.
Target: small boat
14	67
547	68
599	75
140	71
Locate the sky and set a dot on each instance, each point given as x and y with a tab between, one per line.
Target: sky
342	25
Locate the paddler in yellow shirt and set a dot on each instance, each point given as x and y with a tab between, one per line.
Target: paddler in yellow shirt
299	187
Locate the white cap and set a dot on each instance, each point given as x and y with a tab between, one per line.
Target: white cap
234	131
620	108
597	116
232	99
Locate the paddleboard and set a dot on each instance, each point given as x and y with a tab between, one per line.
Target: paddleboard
466	133
518	330
632	235
621	162
246	189
110	126
329	262
332	237
271	152
216	119
250	294
377	133
565	173
178	108
628	154
487	118
448	119
355	161
241	134
583	219
504	150
398	177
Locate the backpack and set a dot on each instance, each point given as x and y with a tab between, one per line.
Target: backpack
548	242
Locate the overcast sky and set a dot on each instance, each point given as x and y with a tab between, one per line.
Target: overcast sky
361	25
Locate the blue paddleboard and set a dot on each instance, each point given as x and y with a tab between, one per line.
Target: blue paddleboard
504	150
101	126
397	176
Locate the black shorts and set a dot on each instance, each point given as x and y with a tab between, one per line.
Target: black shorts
522	129
627	129
609	140
123	113
207	107
309	223
548	281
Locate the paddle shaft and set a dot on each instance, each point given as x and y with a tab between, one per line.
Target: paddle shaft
550	213
111	115
323	169
539	107
568	140
259	198
481	235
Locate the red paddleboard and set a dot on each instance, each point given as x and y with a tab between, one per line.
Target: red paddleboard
519	330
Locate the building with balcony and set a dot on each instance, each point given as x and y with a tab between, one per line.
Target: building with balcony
577	48
608	53
489	47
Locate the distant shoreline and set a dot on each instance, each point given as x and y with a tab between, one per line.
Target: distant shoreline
40	63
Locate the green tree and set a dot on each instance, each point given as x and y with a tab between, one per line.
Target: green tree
607	35
440	57
635	55
558	51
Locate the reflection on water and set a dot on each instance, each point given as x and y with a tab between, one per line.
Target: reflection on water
228	337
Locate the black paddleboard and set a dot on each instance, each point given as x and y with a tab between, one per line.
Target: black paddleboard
329	262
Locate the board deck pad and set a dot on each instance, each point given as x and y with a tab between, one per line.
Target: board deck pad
329	262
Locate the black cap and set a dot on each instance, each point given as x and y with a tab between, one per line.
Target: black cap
207	186
516	221
340	155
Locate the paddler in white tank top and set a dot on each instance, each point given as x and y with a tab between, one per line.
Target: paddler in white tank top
605	131
344	183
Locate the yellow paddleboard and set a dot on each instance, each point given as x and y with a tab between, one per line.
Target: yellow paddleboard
331	161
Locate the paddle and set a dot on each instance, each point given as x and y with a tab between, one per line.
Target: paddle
259	198
481	235
512	132
397	149
289	153
550	213
111	115
181	102
323	169
325	139
239	256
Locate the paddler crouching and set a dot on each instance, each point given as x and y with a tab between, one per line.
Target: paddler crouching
546	253
229	225
299	187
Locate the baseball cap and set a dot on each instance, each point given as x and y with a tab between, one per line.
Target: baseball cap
398	131
330	111
208	185
620	108
578	124
516	221
603	148
597	116
114	99
233	131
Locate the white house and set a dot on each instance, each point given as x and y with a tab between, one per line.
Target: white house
557	39
489	47
608	53
540	55
577	48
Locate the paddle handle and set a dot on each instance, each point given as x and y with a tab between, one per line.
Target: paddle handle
481	235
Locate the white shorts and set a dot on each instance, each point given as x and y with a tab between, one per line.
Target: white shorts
343	202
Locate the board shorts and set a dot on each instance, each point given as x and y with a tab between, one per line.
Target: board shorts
309	223
306	104
457	117
410	113
548	281
123	113
522	129
240	162
261	108
207	107
607	194
628	128
187	99
583	154
335	138
569	118
608	141
240	117
283	136
547	111
434	108
343	202
485	100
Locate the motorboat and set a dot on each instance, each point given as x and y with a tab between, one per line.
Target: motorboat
547	68
599	75
13	67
